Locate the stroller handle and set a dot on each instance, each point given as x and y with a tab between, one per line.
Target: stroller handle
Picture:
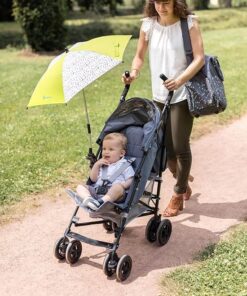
163	77
126	88
170	94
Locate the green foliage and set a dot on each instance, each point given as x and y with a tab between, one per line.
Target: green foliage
225	3
69	4
80	29
222	19
98	5
239	3
100	28
6	10
223	273
11	35
199	4
44	146
42	22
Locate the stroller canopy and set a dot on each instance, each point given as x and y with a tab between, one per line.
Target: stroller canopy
134	112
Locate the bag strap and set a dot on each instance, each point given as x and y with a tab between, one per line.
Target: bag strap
186	40
118	172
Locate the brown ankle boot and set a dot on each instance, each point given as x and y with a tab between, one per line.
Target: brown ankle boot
175	205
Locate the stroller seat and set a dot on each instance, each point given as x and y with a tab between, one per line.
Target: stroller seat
112	211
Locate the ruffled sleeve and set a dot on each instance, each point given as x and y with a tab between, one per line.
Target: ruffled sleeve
146	27
191	19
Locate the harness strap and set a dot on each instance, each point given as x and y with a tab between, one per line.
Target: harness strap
117	173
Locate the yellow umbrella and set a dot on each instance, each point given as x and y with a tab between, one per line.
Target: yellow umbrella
77	67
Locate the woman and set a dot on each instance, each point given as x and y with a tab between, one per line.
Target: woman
161	33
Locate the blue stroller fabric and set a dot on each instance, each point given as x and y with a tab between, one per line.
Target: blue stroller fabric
140	120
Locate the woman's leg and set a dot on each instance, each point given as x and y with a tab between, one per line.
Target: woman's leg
178	130
178	144
171	158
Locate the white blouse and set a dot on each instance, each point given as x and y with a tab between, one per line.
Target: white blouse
166	55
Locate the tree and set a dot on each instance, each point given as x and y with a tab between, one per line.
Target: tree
200	4
42	22
98	5
225	3
6	10
69	4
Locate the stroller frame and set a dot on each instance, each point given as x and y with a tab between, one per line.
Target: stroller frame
69	246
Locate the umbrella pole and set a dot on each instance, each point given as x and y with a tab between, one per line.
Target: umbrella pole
91	157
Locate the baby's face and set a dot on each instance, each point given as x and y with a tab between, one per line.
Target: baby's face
112	150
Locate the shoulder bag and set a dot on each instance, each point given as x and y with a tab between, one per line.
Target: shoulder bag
206	94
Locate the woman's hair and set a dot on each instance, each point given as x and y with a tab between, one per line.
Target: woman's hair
180	8
119	137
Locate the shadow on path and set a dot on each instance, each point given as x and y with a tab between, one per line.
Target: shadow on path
190	234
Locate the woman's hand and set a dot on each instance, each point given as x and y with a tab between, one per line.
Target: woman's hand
172	84
133	75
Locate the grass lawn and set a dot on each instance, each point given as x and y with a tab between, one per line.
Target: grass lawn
221	271
45	146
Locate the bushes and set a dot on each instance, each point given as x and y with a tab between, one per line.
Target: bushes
42	22
13	39
6	10
99	28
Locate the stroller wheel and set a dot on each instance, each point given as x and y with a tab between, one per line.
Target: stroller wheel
124	268
151	229
60	248
164	232
109	226
73	251
109	266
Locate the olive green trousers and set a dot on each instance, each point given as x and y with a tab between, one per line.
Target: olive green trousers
177	141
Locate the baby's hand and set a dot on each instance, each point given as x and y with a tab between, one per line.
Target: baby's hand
101	162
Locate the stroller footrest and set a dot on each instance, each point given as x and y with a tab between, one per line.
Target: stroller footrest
89	241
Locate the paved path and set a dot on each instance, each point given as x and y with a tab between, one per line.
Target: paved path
27	264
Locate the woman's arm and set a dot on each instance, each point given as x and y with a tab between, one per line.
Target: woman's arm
197	63
138	59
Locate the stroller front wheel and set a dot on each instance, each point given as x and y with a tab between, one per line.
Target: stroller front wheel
164	232
109	265
151	229
124	268
73	251
60	248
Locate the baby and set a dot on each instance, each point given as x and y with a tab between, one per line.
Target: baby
113	151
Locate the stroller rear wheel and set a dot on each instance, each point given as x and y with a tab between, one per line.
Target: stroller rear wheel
60	248
109	265
124	268
151	229
73	251
164	232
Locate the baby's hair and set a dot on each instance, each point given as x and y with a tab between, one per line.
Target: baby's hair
119	137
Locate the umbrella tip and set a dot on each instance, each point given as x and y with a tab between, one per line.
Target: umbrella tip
66	50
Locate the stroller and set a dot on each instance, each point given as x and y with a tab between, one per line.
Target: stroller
141	121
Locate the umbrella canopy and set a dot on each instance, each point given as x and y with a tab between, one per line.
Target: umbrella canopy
77	67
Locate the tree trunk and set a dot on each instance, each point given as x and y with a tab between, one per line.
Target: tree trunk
225	3
200	4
